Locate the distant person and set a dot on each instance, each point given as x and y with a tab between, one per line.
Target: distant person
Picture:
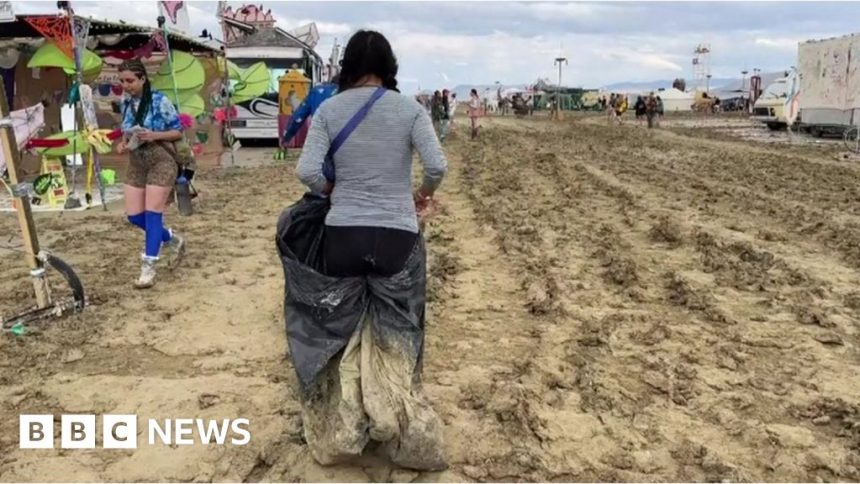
639	109
620	107
660	111
651	110
610	107
438	109
474	112
446	115
452	110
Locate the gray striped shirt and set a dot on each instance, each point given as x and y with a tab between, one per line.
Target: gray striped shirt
374	165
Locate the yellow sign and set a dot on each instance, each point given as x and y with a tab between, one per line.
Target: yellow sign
58	191
293	87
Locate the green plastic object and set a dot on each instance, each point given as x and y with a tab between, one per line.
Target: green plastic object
77	145
190	102
49	55
254	82
189	73
18	330
108	177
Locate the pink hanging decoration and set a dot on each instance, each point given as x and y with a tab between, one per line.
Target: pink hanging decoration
221	114
172	8
186	119
159	41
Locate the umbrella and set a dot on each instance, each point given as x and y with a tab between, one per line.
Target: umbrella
49	55
253	82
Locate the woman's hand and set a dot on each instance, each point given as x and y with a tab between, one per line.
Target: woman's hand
422	200
149	136
122	147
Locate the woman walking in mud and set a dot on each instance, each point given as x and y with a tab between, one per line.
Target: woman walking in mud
365	385
439	112
150	125
474	112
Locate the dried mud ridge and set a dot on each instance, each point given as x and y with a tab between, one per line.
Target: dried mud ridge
604	303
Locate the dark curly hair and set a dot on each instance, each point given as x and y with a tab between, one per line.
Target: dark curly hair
368	52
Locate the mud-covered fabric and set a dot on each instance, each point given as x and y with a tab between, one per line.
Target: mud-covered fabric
356	344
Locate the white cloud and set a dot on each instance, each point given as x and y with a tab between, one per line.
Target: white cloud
780	43
516	42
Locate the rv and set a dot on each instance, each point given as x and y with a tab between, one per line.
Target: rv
251	37
770	108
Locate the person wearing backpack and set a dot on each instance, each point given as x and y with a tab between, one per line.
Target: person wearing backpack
359	380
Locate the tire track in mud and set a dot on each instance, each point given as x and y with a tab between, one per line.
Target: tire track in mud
486	340
623	250
711	181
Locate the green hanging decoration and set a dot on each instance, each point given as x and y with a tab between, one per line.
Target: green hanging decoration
254	82
189	73
202	136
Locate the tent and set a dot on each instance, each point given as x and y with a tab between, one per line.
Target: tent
675	100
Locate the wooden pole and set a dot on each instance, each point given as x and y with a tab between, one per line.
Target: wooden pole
25	214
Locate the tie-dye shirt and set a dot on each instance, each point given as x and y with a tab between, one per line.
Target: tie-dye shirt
162	115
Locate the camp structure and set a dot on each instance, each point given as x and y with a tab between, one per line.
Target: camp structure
37	69
675	100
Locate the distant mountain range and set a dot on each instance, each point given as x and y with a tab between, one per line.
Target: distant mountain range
716	82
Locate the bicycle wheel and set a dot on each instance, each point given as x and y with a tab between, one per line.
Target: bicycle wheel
62	303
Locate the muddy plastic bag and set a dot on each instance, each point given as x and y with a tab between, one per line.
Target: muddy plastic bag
357	346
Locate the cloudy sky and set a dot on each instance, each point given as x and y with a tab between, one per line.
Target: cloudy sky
443	44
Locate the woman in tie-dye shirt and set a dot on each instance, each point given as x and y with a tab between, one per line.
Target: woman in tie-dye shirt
150	125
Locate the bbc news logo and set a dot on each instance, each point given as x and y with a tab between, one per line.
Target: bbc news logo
120	431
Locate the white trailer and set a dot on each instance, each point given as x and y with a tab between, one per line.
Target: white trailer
829	95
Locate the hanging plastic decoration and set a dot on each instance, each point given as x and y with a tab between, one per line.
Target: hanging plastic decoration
159	40
58	29
188	71
254	82
50	55
183	86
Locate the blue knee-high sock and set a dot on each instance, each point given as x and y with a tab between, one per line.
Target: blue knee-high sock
154	233
138	219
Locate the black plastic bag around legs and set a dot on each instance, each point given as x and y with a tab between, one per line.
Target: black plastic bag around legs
357	346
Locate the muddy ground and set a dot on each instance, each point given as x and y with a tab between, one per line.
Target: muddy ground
607	303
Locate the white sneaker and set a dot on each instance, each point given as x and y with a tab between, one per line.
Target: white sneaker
147	273
176	245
